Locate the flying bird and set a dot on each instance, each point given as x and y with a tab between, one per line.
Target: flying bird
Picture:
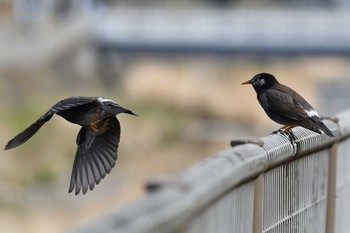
285	106
97	140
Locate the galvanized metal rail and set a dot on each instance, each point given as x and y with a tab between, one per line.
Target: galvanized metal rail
271	185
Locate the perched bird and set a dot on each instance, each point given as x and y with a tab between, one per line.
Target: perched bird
284	106
97	139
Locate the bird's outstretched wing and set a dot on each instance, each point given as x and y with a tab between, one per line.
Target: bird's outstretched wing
95	157
57	108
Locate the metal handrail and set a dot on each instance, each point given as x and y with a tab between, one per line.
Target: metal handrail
173	205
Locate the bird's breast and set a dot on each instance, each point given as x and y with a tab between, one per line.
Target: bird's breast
263	101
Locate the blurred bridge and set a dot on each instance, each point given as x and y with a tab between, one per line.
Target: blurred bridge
222	31
267	185
168	31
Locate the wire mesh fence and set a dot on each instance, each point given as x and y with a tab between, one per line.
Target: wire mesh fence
273	184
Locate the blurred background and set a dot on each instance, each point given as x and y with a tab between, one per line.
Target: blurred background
177	64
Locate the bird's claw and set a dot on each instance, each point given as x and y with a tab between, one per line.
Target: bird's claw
289	133
93	125
279	131
95	121
104	126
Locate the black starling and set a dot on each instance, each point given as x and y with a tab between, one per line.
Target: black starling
284	106
97	140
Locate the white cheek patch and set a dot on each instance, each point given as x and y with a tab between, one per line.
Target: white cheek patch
262	82
312	113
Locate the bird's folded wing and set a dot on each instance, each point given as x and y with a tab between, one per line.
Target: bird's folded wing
284	104
95	157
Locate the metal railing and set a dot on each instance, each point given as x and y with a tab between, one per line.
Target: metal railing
272	184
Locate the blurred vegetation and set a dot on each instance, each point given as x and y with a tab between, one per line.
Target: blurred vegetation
14	117
170	120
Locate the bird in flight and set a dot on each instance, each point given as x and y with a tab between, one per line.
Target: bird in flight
285	106
97	140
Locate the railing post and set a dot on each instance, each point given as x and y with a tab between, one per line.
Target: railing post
331	195
258	204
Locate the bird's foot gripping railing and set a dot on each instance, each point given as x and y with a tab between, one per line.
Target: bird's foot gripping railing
265	185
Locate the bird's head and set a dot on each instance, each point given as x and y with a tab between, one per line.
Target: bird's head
112	107
262	81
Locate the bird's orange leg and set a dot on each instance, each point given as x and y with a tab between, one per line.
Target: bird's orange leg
103	128
95	121
287	127
287	130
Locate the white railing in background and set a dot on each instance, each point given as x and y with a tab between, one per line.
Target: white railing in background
156	29
274	185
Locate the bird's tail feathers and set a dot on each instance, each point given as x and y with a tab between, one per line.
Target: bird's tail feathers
319	125
25	134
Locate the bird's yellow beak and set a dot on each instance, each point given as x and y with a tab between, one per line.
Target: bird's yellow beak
246	82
